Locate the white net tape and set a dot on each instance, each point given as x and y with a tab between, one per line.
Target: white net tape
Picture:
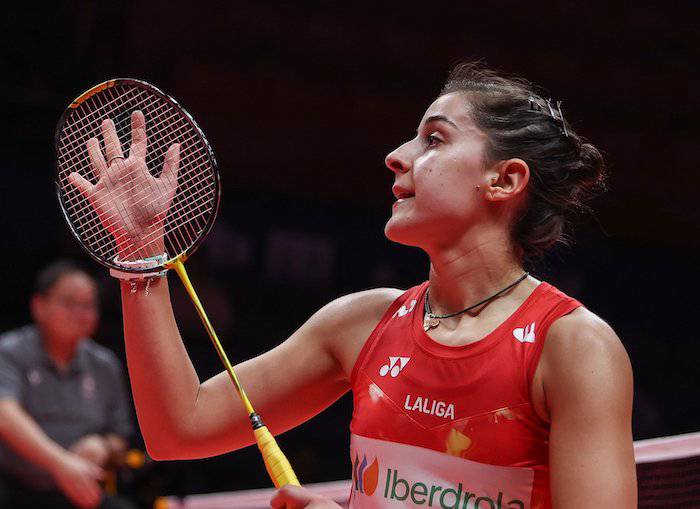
668	473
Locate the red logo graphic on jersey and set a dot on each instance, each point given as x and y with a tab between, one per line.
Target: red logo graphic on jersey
364	478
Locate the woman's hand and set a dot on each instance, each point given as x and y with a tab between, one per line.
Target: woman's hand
130	202
296	497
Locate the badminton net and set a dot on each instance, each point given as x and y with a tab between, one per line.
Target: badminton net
668	475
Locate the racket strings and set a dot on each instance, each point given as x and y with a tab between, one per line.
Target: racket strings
192	211
79	207
122	104
85	207
126	130
195	198
153	234
175	247
123	128
75	145
156	119
104	220
95	231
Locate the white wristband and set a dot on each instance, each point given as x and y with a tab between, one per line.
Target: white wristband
151	262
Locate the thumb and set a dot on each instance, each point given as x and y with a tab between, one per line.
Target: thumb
289	496
277	501
81	184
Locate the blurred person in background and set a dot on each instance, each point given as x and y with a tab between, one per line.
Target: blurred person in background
64	414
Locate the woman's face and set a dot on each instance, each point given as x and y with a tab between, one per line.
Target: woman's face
436	177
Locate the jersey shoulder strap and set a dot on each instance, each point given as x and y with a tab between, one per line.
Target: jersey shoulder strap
550	306
404	304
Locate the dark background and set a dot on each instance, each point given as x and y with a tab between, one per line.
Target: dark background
301	104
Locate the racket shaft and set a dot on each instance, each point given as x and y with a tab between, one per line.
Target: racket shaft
276	462
179	267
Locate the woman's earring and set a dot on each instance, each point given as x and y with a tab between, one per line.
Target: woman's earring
478	188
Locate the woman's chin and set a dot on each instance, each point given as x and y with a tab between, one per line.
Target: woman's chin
401	233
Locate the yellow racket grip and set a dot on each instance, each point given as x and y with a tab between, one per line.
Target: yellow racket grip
276	462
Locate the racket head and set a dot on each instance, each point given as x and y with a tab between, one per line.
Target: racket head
194	208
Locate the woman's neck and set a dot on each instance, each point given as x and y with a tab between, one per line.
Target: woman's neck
467	273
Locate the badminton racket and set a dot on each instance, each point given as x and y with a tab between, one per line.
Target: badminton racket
139	188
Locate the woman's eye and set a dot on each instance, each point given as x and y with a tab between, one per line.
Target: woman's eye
432	140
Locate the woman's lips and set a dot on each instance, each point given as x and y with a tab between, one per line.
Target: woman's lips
402	200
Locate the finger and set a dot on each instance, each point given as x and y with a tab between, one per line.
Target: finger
99	165
171	166
138	135
289	496
77	180
278	501
113	148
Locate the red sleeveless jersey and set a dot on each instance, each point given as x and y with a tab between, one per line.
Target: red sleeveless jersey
440	426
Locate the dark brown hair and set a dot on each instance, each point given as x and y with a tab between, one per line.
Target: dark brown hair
565	170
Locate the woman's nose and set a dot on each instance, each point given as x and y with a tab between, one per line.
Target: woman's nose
398	160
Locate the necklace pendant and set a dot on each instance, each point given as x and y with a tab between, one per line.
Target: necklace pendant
430	322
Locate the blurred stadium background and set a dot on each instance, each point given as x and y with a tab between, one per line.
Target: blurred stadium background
301	104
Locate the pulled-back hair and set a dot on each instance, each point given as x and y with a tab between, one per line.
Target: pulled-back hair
565	170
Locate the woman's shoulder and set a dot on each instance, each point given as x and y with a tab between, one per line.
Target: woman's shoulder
581	329
582	342
344	324
368	306
587	386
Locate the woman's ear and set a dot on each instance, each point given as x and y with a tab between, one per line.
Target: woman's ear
508	179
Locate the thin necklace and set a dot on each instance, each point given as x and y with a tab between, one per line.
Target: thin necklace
432	320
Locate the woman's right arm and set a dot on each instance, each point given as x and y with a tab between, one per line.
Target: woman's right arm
181	418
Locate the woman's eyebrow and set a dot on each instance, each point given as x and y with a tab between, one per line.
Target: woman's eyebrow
441	118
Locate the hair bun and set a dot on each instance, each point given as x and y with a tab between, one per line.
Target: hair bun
590	179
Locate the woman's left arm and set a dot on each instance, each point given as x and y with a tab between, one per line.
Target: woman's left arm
587	381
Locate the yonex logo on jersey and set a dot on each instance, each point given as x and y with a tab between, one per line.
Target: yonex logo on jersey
394	366
525	335
403	310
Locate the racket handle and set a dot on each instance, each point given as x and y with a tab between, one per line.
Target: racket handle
276	462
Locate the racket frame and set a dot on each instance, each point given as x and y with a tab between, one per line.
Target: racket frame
191	121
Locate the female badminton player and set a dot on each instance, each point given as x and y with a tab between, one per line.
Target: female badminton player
483	387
